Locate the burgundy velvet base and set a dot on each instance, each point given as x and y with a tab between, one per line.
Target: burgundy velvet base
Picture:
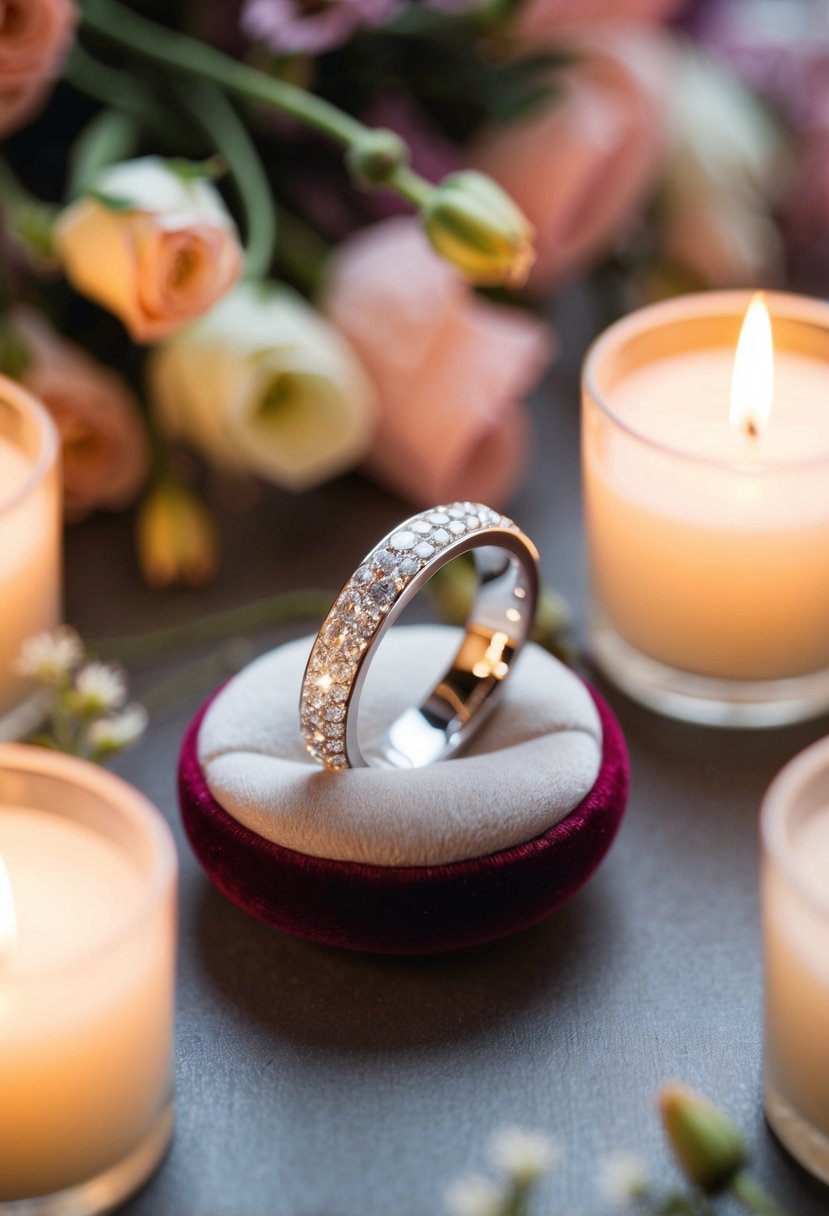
405	910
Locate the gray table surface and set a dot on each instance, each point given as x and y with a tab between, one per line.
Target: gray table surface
312	1082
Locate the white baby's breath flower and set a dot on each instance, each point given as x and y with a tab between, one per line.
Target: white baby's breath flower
475	1195
99	688
51	657
112	734
524	1155
622	1178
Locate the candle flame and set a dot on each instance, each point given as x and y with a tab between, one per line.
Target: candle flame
8	920
752	381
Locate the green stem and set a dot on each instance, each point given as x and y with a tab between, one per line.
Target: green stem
753	1198
217	117
301	253
175	50
282	609
118	90
110	137
27	217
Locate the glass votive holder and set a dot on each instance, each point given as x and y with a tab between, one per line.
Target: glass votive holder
795	896
87	959
30	544
708	545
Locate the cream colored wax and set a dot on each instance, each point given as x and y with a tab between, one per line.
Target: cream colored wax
29	564
85	1005
796	934
709	548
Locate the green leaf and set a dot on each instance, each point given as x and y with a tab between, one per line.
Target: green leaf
112	202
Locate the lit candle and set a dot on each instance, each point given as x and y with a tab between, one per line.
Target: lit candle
795	829
29	541
706	468
86	981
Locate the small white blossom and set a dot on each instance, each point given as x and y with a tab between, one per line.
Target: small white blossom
50	658
524	1155
475	1195
118	731
99	688
622	1178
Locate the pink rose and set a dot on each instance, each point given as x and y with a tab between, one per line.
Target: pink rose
541	19
104	442
34	37
450	369
581	169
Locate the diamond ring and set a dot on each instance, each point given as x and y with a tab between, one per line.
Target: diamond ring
506	562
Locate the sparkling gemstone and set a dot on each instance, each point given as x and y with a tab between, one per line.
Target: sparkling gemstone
333	730
383	592
456	512
337	762
314	720
439	517
424	549
365	574
332	632
384	560
457	528
341	671
403	540
315	698
339	692
352	647
472	522
422	528
318	736
441	536
409	566
335	746
349	605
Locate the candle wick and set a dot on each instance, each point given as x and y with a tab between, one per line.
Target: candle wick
752	429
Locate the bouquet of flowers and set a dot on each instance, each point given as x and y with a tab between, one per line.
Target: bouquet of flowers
301	237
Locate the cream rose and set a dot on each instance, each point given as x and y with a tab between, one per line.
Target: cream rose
450	369
34	37
153	246
265	384
104	445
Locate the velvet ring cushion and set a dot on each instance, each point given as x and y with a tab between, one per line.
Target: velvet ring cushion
457	852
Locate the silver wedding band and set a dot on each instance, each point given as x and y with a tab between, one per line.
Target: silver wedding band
500	619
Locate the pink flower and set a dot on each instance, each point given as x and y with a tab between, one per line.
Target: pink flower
580	170
291	27
34	37
103	439
543	19
450	369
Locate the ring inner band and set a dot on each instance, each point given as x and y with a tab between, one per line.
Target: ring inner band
465	694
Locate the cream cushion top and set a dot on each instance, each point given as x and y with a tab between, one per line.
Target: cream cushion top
532	762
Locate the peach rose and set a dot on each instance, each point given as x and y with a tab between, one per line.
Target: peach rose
34	37
540	19
153	246
582	168
450	369
104	443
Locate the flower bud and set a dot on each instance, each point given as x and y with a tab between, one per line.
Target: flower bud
477	227
706	1144
374	159
176	537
